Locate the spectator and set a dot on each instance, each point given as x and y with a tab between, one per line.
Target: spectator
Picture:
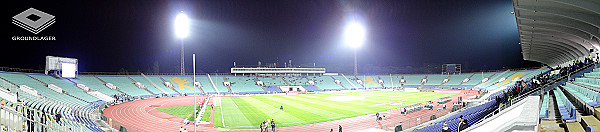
261	126
460	120
340	128
180	129
464	125
58	116
445	128
273	124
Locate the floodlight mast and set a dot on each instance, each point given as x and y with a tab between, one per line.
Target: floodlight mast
182	25
194	83
355	37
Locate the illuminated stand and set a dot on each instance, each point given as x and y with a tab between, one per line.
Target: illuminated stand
61	67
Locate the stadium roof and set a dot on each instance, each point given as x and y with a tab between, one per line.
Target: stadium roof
557	31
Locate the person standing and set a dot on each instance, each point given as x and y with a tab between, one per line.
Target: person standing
464	125
460	120
273	125
340	128
261	126
281	108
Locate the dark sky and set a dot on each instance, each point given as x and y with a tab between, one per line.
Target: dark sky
107	36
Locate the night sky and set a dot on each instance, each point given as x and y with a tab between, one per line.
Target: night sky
111	36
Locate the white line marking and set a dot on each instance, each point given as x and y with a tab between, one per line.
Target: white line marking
221	105
234	104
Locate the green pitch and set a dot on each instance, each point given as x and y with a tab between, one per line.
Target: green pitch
249	112
186	112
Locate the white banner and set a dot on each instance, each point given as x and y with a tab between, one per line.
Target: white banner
12	97
55	88
82	86
29	90
111	86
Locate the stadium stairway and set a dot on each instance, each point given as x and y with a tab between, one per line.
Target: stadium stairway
109	88
341	84
200	87
379	78
361	84
286	82
470	79
145	88
163	81
263	87
317	88
228	87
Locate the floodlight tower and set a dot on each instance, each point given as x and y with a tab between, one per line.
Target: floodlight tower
354	36
182	30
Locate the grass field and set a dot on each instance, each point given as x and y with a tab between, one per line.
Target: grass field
248	112
185	112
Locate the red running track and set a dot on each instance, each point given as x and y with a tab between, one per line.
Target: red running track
140	115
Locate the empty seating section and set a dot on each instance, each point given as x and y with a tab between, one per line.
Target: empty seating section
148	85
387	82
594	74
218	80
75	113
272	81
344	83
125	85
206	85
456	80
351	78
94	84
566	108
477	78
433	81
66	86
244	84
498	82
295	81
413	81
544	108
593	82
21	79
325	82
493	79
472	115
588	96
183	84
160	84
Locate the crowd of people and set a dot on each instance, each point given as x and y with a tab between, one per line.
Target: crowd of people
122	97
264	126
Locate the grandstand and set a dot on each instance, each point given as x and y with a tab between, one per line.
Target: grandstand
563	94
413	81
434	81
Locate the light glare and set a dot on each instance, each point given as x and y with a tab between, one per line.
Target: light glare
354	34
182	25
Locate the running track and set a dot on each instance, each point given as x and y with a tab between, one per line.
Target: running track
140	115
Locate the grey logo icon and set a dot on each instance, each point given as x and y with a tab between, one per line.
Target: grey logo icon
33	20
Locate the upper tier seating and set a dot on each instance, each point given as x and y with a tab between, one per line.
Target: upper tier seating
125	85
244	84
325	82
